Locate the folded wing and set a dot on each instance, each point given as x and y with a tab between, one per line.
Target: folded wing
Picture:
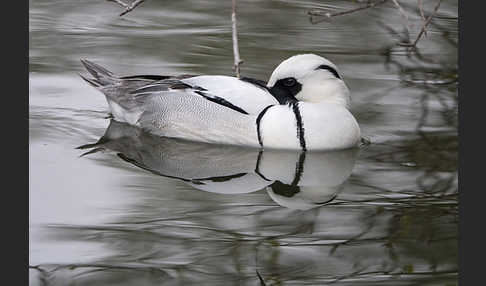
246	97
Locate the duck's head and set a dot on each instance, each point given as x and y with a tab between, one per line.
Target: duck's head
308	78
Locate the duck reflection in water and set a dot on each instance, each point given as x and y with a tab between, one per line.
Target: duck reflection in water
293	179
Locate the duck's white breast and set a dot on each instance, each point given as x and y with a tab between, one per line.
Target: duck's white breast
309	126
328	126
278	128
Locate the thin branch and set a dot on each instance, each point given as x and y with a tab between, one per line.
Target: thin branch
236	51
424	27
405	42
404	15
121	3
421	12
400	9
421	9
128	7
328	15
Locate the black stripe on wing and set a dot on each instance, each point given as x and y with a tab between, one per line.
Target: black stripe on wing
157	77
147	77
164	85
221	101
256	82
174	84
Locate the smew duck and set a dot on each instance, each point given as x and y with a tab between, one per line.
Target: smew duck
304	105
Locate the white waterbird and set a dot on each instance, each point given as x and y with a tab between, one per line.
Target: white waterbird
305	105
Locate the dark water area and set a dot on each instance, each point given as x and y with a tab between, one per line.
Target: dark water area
145	210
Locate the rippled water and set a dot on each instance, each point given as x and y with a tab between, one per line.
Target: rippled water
144	210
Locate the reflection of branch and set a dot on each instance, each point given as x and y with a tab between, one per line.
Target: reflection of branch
370	222
103	266
128	7
262	282
236	51
355	276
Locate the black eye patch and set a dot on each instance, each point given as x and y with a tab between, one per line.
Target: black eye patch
331	69
284	90
289	82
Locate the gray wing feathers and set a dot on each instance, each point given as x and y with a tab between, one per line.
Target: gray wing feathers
117	91
200	108
184	114
127	97
101	75
233	92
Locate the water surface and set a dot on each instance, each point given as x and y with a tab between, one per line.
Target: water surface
141	210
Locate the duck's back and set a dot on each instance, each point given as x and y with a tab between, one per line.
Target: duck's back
214	109
180	114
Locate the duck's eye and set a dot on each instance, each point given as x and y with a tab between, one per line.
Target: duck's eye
289	82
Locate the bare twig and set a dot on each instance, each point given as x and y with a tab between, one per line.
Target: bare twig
121	3
421	12
405	42
128	7
236	51
424	27
404	15
421	9
319	12
400	9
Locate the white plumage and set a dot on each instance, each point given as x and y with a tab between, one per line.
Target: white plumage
303	106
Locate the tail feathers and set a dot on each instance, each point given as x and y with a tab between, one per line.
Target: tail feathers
102	76
91	81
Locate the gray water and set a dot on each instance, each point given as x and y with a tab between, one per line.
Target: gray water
144	210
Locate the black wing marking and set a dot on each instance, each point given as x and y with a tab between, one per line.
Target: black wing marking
157	77
163	85
258	83
147	77
221	101
171	84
